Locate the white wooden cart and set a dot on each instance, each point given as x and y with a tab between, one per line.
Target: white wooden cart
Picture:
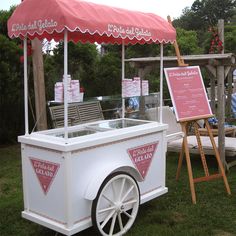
100	176
97	173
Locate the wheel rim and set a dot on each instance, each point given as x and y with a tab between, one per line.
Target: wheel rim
117	205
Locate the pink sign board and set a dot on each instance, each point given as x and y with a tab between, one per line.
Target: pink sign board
142	156
187	92
45	172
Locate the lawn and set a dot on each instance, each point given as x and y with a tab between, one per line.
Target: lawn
171	214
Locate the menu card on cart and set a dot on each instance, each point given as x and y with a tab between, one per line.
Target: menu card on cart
188	93
131	88
145	88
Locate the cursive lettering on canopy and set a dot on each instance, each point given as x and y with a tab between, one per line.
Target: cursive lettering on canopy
129	31
35	25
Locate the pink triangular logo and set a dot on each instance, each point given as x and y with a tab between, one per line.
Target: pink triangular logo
45	172
142	157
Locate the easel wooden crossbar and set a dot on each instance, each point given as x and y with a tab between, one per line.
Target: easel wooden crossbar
185	125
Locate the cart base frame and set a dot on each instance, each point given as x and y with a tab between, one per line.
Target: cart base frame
86	223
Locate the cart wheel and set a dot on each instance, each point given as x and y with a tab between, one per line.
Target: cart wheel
116	206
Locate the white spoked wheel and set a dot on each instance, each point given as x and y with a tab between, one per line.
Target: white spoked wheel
116	206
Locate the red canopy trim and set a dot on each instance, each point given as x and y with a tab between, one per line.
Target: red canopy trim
87	22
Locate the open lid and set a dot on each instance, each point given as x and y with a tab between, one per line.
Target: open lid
87	22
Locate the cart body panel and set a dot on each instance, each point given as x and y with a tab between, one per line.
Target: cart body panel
60	183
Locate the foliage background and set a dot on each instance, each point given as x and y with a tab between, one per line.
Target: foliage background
99	72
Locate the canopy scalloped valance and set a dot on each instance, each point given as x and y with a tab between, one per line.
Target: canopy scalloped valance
87	22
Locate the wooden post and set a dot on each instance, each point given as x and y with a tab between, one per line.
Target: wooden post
39	85
213	95
221	98
229	94
212	72
221	112
221	33
234	81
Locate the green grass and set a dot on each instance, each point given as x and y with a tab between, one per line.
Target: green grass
170	214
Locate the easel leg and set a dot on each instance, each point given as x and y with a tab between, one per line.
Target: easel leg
217	155
180	161
189	167
201	151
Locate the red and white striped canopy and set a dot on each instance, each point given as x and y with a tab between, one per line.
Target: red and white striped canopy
87	22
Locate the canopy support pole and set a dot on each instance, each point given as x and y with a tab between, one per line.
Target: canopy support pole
123	77
26	89
66	84
161	83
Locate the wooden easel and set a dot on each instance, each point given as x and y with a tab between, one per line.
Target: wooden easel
185	125
185	150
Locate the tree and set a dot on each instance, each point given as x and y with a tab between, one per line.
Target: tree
230	39
205	13
4	16
11	90
146	50
108	75
188	42
213	10
190	21
11	82
82	62
40	100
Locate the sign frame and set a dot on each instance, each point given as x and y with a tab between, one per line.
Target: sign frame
180	81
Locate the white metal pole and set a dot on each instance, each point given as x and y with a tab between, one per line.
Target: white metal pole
161	82
69	189
123	76
66	83
26	89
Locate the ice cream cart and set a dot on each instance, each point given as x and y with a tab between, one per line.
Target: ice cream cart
103	173
96	173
